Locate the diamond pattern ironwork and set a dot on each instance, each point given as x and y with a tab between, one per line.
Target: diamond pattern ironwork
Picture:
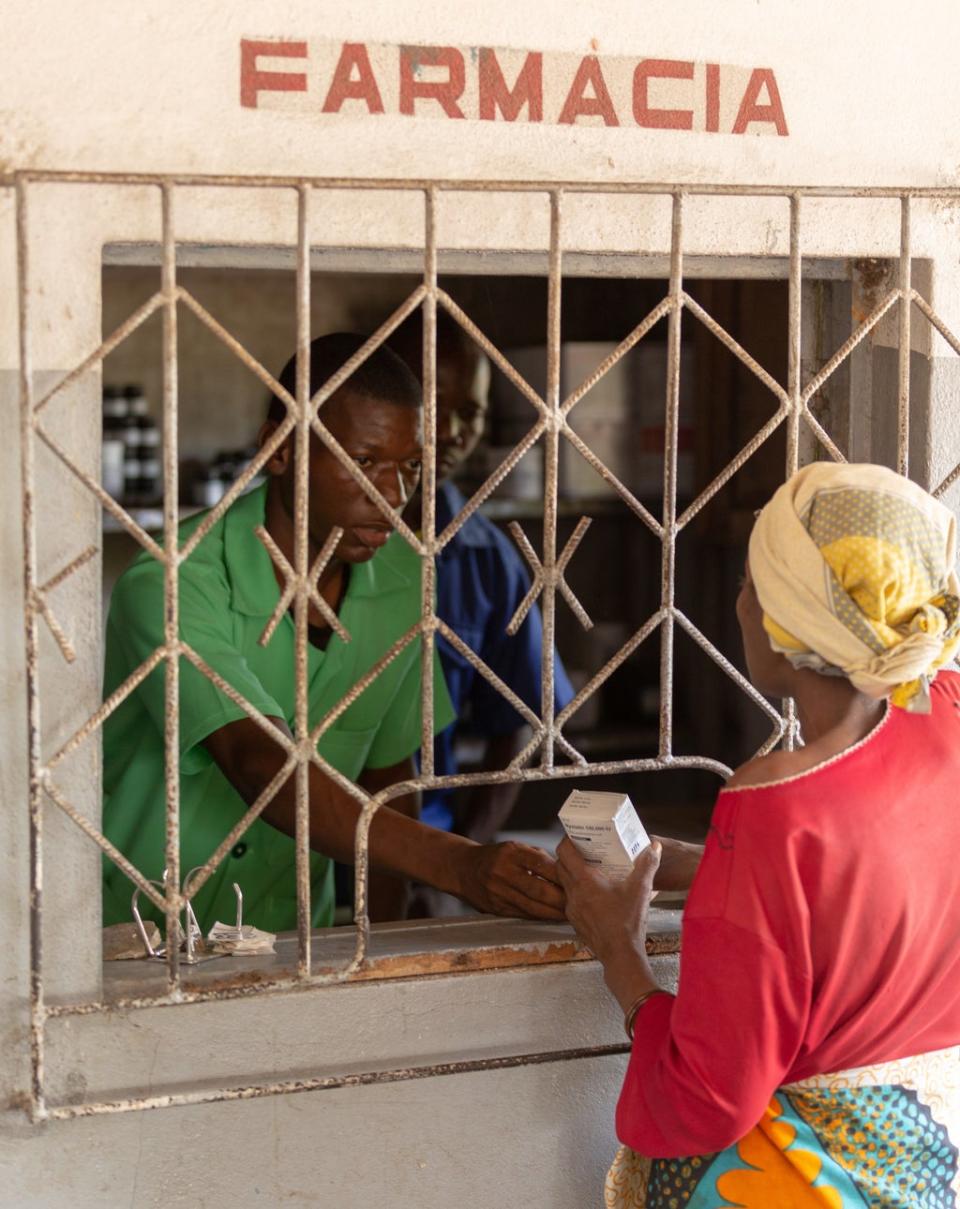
550	423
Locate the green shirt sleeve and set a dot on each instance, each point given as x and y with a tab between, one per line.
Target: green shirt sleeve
399	733
135	630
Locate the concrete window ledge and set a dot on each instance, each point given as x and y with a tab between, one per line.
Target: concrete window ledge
406	949
433	994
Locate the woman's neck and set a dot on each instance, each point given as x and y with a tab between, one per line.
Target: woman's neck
833	715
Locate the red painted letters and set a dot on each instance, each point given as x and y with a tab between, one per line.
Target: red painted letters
660	119
578	104
527	90
446	92
751	111
253	81
712	123
343	87
482	83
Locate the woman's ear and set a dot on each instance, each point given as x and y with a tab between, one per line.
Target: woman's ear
278	464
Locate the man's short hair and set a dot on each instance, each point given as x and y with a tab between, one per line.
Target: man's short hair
383	375
407	339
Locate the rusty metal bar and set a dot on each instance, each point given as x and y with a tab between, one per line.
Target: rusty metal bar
428	481
171	587
204	872
59	799
905	293
67	1112
732	467
845	349
671	425
597	680
639	509
662	308
106	709
130	325
948	482
419	184
741	681
491	483
107	501
551	422
551	470
301	606
499	360
367	486
823	436
794	395
752	364
795	399
31	642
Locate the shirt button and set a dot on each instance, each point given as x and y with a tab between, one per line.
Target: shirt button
238	850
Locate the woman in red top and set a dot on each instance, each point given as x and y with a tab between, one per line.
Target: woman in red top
811	1055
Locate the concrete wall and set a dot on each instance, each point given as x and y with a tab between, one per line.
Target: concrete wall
115	87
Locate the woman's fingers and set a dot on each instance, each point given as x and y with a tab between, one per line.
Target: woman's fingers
648	861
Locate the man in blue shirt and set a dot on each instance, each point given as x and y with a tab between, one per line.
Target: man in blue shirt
481	580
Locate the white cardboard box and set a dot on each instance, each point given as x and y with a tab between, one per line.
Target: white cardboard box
604	829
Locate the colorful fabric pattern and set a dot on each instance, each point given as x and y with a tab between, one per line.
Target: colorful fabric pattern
854	569
882	1136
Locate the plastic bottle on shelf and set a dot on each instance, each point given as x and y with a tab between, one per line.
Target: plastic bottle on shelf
113	445
151	474
135	404
143	461
209	488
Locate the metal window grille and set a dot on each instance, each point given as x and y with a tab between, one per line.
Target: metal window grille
304	416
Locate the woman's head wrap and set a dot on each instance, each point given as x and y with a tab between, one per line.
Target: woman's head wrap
855	570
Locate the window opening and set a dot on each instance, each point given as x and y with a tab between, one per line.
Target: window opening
553	428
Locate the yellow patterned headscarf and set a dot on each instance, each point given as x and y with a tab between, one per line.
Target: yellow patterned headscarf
855	570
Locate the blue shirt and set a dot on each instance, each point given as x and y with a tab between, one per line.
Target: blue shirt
481	581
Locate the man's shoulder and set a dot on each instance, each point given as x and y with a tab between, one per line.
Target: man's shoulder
480	535
477	530
205	564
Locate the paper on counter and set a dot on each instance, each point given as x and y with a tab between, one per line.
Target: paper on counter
224	938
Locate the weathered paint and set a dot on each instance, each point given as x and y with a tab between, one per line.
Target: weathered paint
139	90
471	84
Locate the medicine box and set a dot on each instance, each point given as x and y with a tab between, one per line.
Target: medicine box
604	829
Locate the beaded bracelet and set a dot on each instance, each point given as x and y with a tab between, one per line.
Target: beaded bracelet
635	1007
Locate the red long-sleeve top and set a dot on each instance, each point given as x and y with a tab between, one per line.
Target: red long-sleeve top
822	932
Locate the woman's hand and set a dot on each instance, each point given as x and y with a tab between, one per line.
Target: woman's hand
679	862
611	916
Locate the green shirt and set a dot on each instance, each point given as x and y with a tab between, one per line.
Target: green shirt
227	593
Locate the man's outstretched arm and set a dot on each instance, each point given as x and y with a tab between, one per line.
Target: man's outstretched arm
503	879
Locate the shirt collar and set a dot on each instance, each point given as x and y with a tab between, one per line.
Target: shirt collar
253	584
450	501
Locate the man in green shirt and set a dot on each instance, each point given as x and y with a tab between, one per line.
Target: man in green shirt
228	590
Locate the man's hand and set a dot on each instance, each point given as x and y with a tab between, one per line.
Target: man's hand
679	862
510	879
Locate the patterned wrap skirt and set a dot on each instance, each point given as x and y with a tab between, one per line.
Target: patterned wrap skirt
884	1135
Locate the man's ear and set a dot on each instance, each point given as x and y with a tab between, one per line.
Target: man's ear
280	462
